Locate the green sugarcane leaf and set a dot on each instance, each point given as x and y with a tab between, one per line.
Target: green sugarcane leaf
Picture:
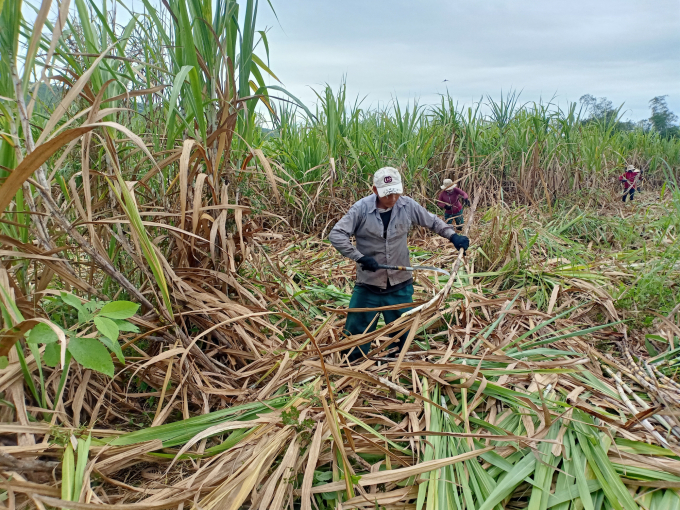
79	475
174	93
523	468
650	348
264	67
570	493
68	469
641	448
181	431
641	473
658	338
582	332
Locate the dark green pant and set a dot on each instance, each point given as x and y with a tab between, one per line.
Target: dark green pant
457	217
358	322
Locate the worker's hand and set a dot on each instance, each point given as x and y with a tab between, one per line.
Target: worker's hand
369	264
448	207
460	241
466	202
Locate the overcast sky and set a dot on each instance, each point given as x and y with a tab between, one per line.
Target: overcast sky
626	50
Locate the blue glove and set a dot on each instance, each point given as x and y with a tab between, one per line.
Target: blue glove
369	263
460	241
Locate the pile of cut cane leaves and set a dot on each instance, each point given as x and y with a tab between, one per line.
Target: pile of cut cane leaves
494	403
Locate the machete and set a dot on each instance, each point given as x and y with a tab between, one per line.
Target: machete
415	268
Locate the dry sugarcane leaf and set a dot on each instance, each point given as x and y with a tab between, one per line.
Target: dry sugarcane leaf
62	108
269	173
183	178
234	491
115	461
272	383
73	505
11	336
407	344
287	465
379	500
308	479
221	427
395	475
32	488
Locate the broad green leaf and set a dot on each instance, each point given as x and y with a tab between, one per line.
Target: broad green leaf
126	326
71	300
114	347
91	306
52	354
84	316
41	334
323	476
119	310
107	327
91	354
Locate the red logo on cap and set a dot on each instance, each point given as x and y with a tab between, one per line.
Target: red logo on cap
388	179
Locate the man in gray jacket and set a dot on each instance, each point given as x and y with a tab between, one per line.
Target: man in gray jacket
380	223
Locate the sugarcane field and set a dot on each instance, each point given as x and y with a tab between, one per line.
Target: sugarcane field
221	292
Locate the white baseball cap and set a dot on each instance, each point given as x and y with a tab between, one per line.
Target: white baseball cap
447	184
388	181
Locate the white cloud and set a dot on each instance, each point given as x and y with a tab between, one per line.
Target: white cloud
626	50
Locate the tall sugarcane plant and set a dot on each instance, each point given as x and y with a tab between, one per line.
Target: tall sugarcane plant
182	71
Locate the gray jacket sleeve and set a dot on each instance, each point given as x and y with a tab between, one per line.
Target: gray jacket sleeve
424	218
343	230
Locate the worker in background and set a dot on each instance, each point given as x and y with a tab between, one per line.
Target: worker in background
380	223
631	182
449	200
